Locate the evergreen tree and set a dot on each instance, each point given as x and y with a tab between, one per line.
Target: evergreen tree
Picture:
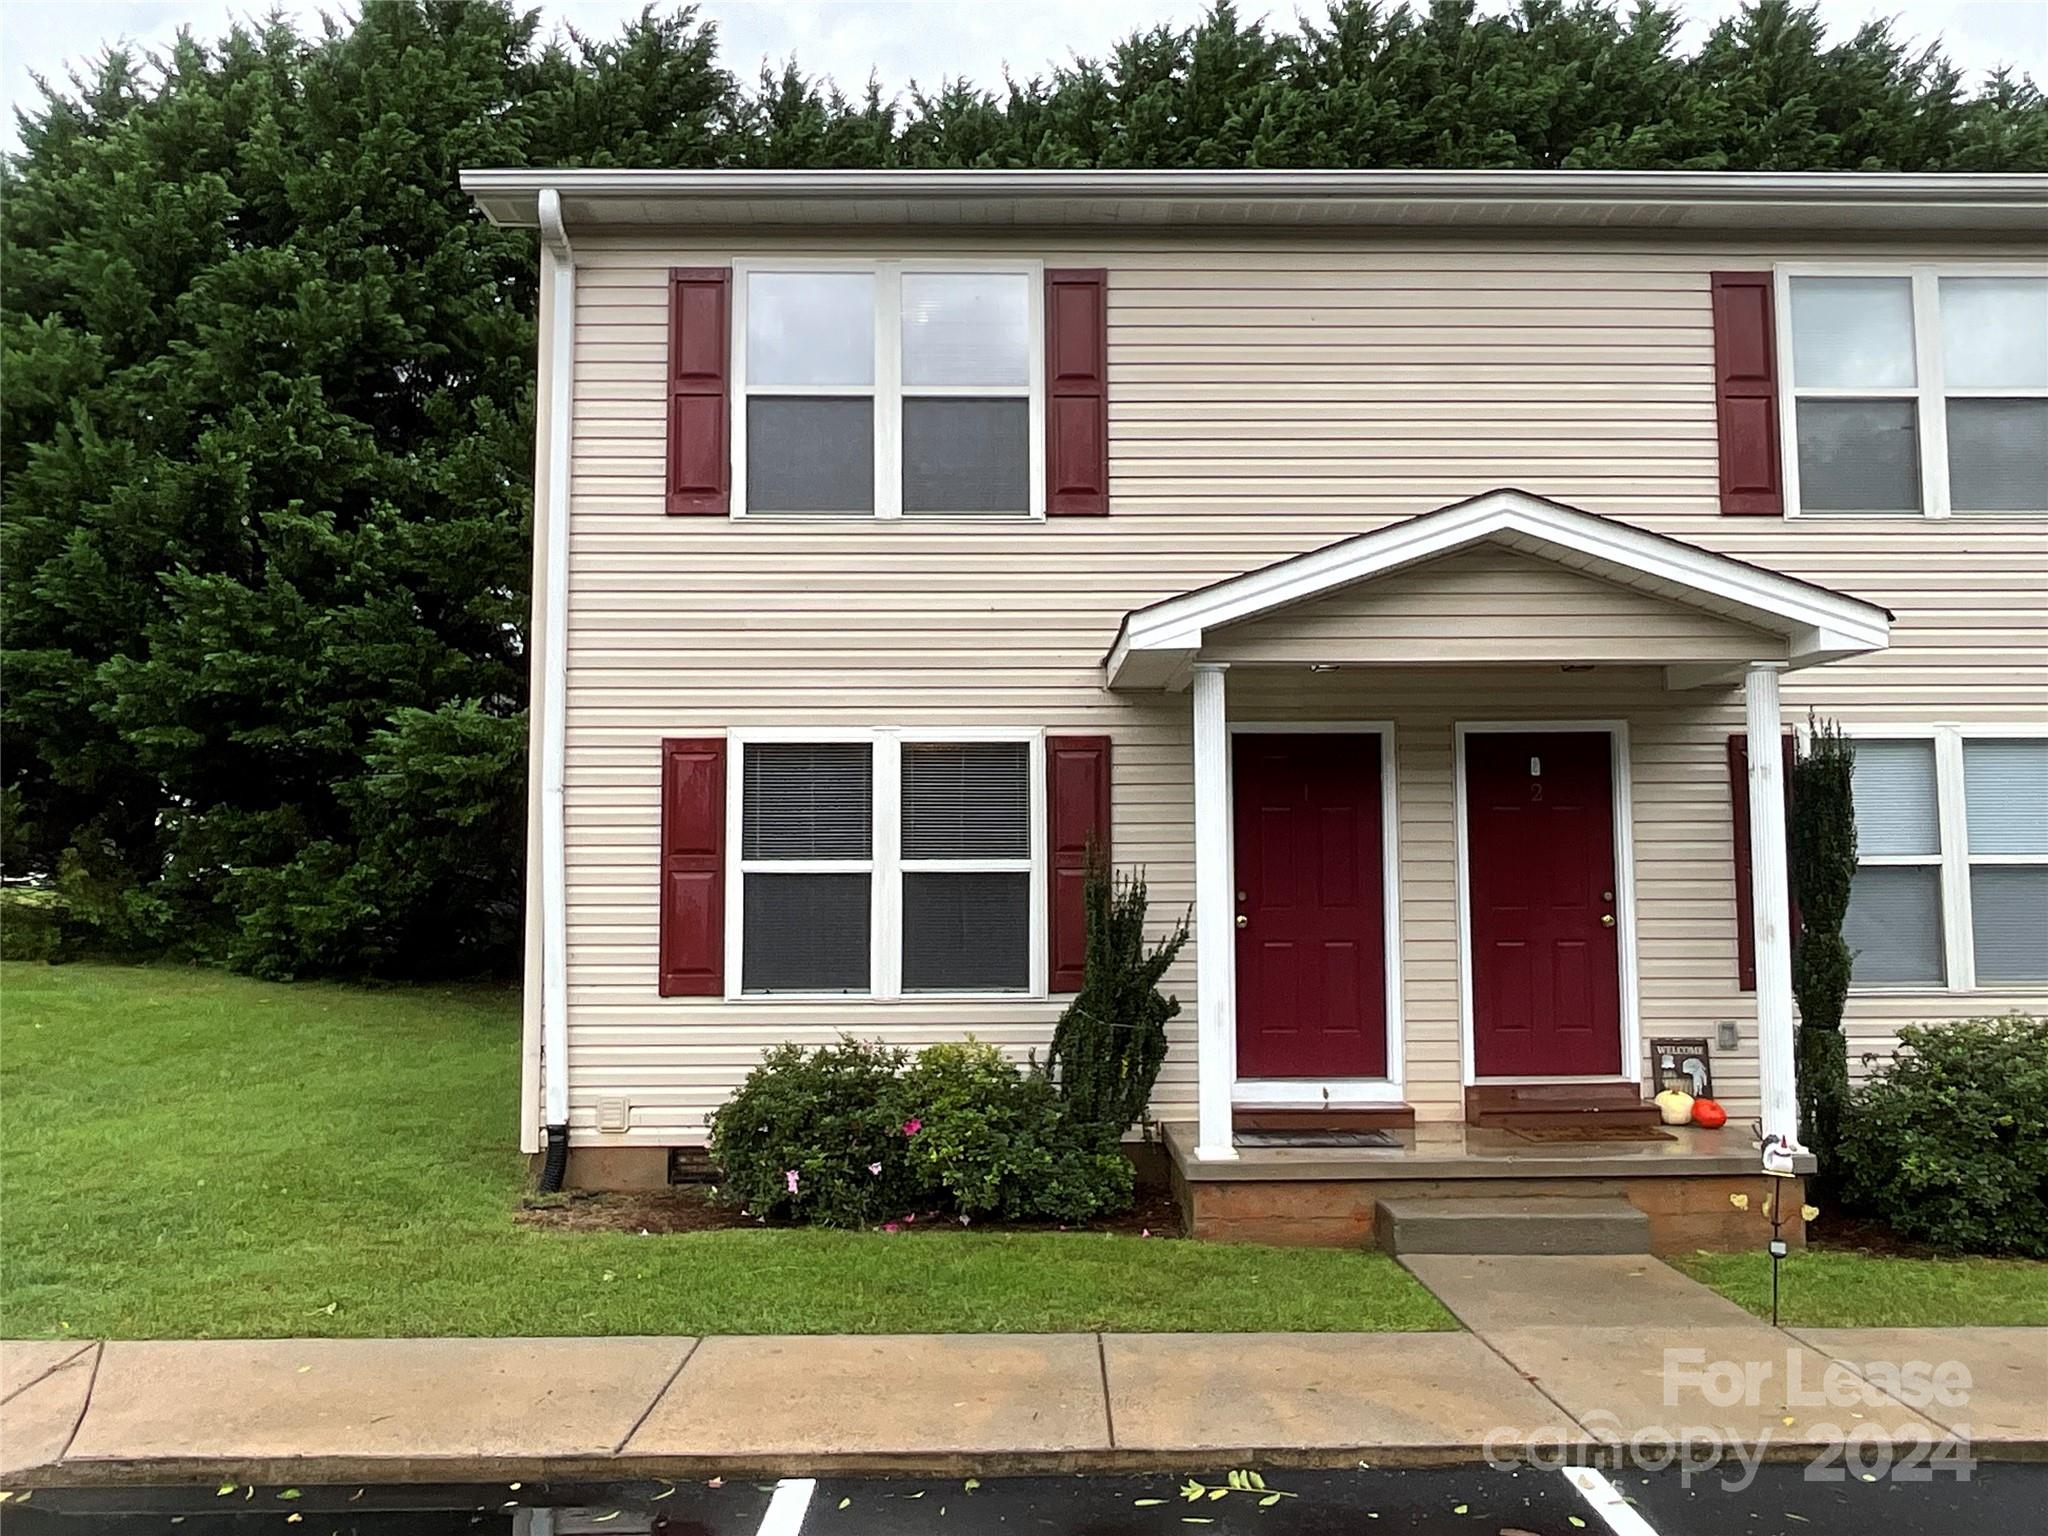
1823	859
266	436
1110	1042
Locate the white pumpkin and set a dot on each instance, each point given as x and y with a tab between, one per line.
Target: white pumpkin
1675	1107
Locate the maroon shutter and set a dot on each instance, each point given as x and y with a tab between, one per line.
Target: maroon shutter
693	867
1077	392
699	427
1746	395
1745	912
1077	812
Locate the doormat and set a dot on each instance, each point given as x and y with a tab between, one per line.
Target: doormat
1588	1133
1316	1139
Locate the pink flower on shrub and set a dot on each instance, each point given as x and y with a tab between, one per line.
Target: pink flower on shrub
875	1169
912	1126
789	1177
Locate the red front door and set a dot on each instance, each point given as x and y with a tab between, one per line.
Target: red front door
1311	947
1546	969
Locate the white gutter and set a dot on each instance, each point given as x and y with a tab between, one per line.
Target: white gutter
2008	201
554	671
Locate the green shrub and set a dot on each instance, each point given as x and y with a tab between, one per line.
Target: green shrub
1949	1142
1111	1041
998	1142
830	1117
28	925
869	1135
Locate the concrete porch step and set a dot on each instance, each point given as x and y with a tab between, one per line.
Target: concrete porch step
1524	1225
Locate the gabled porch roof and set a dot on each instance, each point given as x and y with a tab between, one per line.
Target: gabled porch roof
1156	645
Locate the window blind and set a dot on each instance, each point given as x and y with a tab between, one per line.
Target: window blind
968	800
1896	811
2005	795
812	800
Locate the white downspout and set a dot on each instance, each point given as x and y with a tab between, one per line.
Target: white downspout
554	726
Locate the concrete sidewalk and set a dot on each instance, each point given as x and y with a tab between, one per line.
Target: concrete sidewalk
1529	1375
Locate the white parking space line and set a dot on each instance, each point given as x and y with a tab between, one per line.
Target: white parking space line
1616	1512
792	1500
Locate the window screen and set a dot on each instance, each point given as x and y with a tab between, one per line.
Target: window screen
966	926
966	932
806	933
966	455
1998	455
1858	456
1893	926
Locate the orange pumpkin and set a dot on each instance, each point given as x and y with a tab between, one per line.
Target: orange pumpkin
1705	1112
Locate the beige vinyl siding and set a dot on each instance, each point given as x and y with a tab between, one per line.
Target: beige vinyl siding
1266	398
1489	605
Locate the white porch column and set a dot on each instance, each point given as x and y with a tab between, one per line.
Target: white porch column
1215	920
1771	901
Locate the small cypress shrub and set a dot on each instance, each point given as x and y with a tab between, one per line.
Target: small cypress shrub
1110	1043
1823	860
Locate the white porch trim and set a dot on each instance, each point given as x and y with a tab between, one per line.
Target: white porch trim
1156	645
1215	930
1770	896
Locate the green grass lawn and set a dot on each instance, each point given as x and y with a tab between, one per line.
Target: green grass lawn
1836	1289
185	1154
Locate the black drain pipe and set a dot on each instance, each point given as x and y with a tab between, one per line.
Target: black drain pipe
554	1166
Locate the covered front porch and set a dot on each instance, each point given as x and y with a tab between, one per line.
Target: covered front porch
1461	804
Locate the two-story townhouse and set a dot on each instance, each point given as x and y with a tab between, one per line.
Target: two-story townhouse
1416	573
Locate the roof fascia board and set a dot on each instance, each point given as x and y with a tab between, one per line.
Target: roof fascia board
1471	193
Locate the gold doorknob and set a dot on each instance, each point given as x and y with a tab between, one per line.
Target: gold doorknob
1242	920
1606	919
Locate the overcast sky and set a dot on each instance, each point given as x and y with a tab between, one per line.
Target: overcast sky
917	39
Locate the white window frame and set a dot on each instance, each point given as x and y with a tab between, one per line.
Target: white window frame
885	865
1958	933
1929	393
888	390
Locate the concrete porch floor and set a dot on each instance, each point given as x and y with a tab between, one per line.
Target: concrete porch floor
1329	1196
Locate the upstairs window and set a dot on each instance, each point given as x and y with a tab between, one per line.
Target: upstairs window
1917	392
1951	886
890	389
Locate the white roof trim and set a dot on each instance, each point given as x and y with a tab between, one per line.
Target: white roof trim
1627	201
1155	645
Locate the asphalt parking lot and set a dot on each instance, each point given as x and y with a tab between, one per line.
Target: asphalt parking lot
1779	1499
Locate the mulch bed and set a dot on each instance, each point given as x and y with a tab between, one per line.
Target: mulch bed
686	1208
1846	1233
